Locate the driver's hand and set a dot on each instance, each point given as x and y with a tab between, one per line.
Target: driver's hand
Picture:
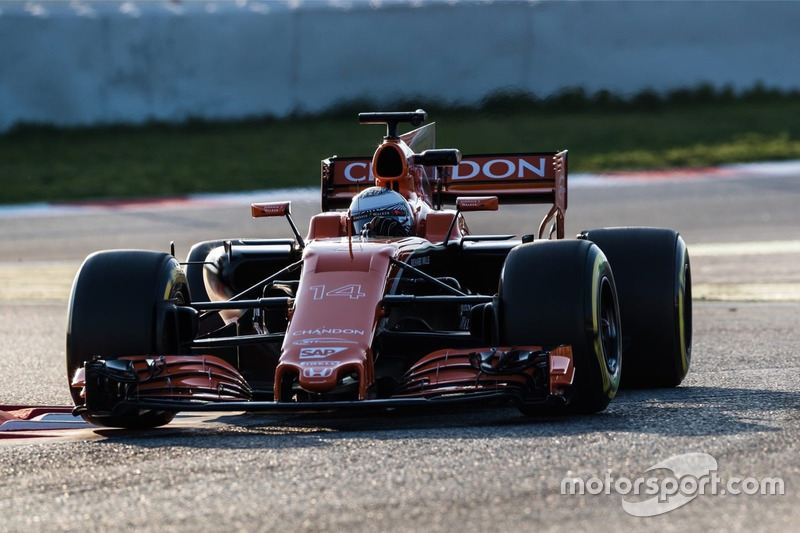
382	226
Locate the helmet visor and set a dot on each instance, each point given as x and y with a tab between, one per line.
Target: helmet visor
397	212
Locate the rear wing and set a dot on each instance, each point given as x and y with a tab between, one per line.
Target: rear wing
532	178
528	178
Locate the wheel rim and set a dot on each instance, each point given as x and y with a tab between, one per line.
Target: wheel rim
685	318
609	328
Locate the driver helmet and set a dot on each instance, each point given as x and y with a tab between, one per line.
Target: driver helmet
385	205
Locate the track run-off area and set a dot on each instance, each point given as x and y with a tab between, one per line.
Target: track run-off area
719	452
49	273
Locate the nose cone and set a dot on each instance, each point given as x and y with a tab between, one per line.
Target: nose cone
327	370
328	361
327	347
321	367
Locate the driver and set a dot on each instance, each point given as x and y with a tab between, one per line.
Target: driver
381	212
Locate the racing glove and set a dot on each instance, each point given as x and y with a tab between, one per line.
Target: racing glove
385	227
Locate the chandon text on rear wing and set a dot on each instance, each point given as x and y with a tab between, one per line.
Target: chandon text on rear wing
528	178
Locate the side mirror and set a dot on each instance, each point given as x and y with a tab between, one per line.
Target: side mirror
477	203
277	209
271	209
471	203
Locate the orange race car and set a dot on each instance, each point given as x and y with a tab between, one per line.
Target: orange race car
389	301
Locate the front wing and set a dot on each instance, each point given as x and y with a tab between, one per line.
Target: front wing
529	376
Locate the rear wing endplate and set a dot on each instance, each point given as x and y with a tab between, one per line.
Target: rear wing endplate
527	178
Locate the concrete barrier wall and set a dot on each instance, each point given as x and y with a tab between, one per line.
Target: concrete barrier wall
87	62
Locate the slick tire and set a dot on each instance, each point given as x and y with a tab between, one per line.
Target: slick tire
654	285
124	302
563	292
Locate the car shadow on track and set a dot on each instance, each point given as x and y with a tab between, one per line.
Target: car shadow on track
682	411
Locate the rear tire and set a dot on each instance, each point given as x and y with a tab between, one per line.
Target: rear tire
123	303
195	263
654	285
563	292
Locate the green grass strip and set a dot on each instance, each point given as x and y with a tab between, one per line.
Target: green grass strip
602	134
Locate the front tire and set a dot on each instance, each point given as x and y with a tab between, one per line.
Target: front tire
563	292
124	303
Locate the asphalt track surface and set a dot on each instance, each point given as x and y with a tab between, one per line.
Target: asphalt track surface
470	470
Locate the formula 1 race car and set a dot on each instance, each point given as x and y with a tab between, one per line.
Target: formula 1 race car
388	302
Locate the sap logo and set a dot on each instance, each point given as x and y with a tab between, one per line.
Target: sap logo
317	372
499	169
318	353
